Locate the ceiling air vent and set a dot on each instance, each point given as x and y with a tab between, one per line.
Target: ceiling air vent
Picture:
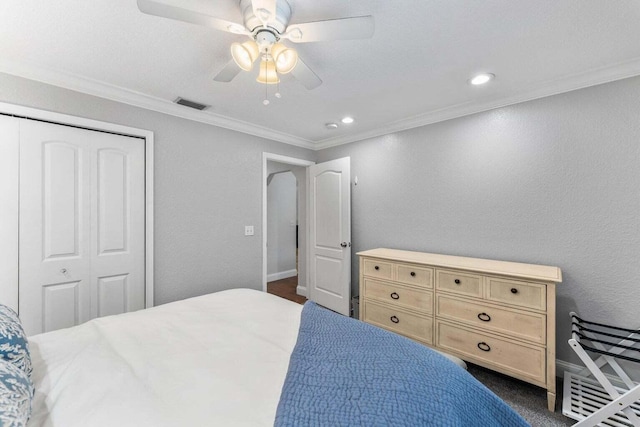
191	104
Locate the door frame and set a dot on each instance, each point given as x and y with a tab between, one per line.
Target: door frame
293	161
97	125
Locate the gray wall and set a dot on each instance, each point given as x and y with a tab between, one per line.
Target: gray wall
553	181
208	186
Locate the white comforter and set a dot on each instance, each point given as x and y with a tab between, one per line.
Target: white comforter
216	360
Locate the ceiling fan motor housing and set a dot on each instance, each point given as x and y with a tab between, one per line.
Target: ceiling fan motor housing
277	23
265	40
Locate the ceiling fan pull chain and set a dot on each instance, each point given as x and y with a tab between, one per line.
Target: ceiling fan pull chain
266	97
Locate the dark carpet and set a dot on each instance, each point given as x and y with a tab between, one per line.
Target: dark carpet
528	400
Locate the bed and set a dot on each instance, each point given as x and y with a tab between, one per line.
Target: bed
247	358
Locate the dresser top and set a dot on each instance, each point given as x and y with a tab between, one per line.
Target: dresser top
505	268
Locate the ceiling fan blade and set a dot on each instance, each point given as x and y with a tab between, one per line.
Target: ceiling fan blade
264	10
305	75
228	72
358	27
164	10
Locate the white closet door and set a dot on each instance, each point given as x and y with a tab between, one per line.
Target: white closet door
117	225
81	225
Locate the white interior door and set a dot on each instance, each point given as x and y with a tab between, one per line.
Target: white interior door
330	234
81	225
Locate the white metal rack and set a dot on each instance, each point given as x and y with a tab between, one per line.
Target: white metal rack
589	396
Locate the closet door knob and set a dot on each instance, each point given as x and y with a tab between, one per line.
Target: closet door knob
343	244
514	291
457	281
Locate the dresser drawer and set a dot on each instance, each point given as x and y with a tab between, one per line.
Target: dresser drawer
460	283
501	354
519	324
514	292
398	295
396	320
375	268
413	275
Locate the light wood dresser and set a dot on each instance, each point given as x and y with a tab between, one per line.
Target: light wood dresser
497	314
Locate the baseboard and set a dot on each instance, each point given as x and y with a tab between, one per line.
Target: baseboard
562	366
302	290
281	275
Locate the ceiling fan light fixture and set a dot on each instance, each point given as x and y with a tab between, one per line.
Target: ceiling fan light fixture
244	54
285	58
268	74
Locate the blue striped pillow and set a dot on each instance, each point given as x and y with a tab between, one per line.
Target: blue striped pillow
16	393
14	346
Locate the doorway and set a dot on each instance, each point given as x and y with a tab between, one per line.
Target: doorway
324	267
284	221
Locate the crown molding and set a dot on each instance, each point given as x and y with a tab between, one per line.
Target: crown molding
115	93
564	84
81	84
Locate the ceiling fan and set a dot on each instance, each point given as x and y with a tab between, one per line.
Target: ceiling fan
266	23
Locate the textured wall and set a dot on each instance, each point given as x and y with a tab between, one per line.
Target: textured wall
552	181
208	186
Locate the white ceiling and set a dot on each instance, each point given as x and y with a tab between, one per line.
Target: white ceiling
412	72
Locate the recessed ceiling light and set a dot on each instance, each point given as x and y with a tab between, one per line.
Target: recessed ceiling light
347	120
332	126
481	79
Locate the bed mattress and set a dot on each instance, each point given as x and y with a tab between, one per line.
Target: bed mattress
218	359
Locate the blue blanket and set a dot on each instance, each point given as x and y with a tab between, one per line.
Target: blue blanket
344	372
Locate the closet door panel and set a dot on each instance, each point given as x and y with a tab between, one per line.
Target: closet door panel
61	178
54	226
113	295
118	233
82	225
9	158
61	305
113	182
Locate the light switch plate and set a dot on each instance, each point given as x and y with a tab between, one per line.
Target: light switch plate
248	230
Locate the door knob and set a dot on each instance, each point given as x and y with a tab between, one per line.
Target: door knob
63	271
343	244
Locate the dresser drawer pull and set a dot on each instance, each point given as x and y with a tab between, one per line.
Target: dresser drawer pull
457	281
394	319
514	291
413	274
484	317
376	267
394	295
484	346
